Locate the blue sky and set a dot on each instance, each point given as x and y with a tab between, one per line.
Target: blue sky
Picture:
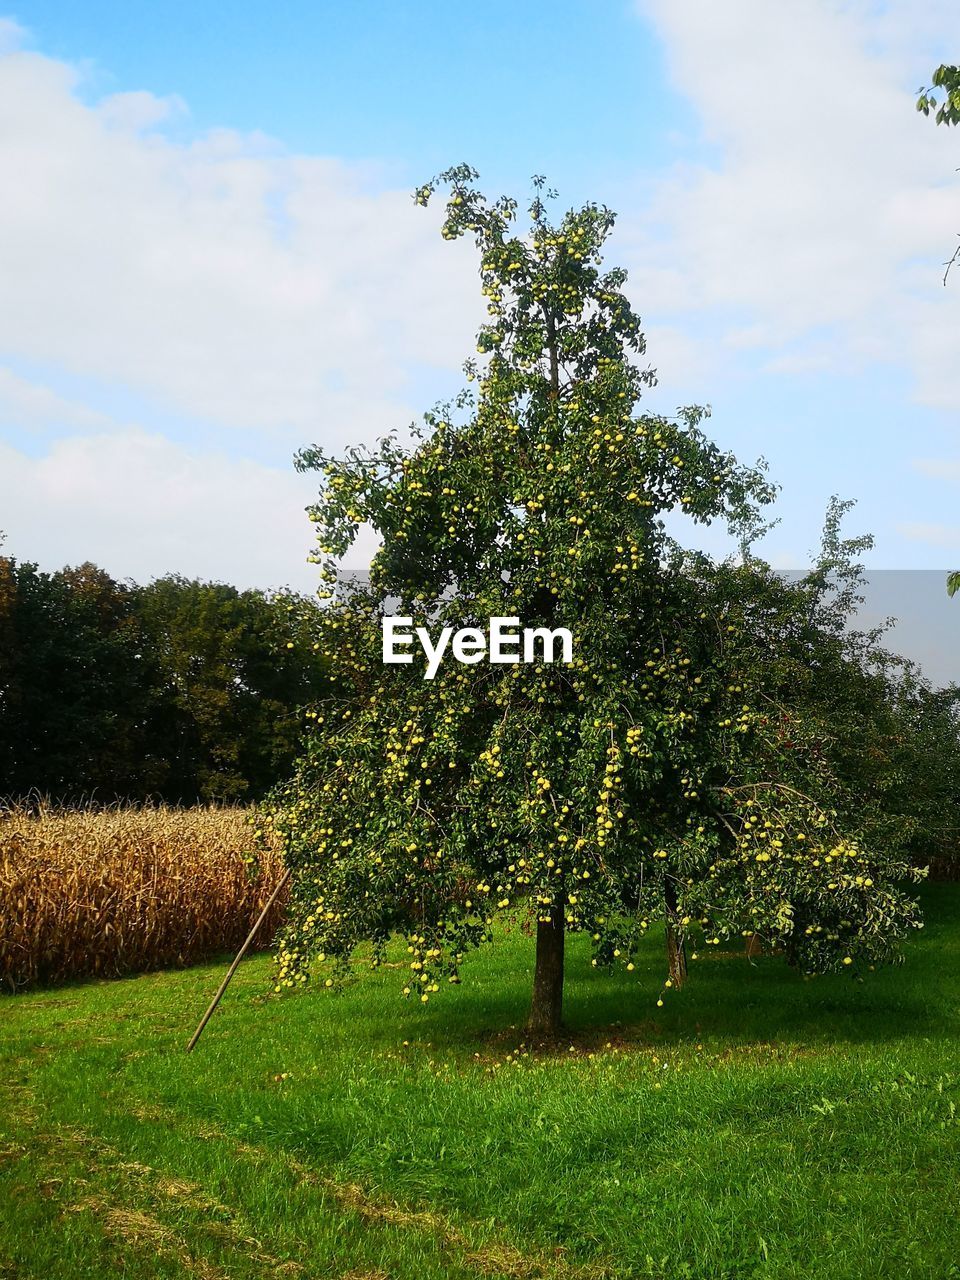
211	258
574	89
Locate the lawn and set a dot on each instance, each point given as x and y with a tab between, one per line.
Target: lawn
755	1126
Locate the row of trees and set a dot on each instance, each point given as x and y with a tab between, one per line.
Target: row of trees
725	755
179	691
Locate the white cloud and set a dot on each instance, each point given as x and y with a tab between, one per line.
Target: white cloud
683	369
140	506
138	110
938	468
221	279
12	35
291	296
28	404
832	204
224	278
935	535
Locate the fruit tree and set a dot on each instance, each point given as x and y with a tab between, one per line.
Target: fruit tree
648	782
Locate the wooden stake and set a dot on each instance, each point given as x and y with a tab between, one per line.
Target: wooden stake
239	956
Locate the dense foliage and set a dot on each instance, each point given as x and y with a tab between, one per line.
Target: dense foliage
179	690
946	109
675	771
856	721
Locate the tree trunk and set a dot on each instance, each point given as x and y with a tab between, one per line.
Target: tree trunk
676	950
753	945
547	1004
552	352
676	957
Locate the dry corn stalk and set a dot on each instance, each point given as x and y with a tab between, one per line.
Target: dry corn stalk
106	892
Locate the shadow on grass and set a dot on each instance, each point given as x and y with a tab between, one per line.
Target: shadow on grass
727	998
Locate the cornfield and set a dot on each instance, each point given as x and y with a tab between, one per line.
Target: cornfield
100	893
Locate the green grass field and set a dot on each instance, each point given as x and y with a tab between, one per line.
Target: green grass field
756	1126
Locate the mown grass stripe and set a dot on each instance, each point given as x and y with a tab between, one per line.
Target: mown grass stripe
140	1199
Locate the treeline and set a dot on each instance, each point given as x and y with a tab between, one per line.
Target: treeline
180	690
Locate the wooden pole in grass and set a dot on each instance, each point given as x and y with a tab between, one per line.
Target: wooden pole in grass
239	956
